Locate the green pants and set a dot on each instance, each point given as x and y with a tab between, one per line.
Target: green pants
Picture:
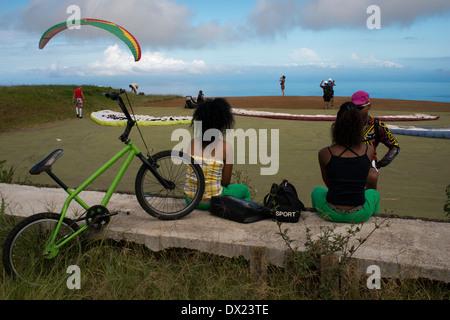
319	202
236	190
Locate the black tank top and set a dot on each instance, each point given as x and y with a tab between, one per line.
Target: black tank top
348	179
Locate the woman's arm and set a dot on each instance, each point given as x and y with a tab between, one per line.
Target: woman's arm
324	158
228	158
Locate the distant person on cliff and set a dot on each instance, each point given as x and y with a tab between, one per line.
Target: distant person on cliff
134	87
332	84
282	82
78	99
326	94
375	132
200	97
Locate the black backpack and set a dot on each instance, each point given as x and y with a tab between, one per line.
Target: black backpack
283	202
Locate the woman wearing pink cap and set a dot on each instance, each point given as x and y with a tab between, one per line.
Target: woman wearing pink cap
375	132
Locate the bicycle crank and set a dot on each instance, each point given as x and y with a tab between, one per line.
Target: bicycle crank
97	216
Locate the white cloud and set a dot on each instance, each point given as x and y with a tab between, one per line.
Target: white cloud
305	54
271	17
117	62
154	23
310	58
168	24
371	61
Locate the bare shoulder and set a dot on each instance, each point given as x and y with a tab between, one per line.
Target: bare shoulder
324	155
323	150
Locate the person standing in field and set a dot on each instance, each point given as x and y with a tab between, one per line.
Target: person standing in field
332	84
78	99
375	132
326	94
282	82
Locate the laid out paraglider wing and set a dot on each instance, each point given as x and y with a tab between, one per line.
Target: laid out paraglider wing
115	29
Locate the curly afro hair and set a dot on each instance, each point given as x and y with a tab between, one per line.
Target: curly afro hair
214	114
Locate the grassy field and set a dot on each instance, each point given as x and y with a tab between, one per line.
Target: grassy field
29	106
126	271
413	185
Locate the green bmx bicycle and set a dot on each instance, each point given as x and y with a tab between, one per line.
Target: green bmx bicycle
47	243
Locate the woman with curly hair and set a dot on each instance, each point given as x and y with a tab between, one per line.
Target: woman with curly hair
212	153
345	168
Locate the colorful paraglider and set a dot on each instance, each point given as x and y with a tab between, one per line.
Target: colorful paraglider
115	29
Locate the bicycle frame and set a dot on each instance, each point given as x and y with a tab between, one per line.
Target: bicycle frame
52	247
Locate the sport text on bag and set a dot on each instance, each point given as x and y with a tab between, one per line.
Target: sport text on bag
283	202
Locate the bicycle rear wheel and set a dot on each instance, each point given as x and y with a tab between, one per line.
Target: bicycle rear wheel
169	204
23	251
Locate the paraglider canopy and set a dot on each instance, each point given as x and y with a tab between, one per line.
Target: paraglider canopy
115	29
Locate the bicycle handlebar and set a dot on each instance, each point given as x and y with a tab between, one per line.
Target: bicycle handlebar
130	123
114	95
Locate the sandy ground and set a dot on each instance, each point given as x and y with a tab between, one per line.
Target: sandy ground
302	102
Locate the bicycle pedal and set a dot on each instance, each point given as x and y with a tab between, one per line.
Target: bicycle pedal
125	212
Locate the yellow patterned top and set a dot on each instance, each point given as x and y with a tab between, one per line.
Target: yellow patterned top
212	171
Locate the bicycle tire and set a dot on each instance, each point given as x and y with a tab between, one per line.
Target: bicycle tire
168	204
23	250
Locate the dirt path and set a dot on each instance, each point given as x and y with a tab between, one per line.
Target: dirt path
301	102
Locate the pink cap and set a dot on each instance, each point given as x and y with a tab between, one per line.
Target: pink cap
361	97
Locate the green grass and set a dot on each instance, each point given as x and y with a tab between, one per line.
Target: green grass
28	106
414	185
127	271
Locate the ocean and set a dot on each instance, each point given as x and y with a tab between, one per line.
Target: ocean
260	86
252	84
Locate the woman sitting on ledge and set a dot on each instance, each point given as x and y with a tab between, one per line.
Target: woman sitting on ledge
345	167
213	154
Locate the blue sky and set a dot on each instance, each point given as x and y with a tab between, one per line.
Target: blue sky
227	39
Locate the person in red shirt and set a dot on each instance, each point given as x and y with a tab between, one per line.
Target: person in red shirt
78	98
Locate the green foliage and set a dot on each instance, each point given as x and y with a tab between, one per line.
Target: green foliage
127	271
27	106
6	176
308	264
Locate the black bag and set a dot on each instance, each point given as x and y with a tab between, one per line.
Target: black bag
283	202
239	210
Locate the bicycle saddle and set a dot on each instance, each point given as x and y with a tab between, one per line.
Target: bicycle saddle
46	164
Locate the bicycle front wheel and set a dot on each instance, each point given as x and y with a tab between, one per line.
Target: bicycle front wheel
170	203
23	252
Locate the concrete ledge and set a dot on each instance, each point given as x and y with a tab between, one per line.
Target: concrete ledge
400	247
